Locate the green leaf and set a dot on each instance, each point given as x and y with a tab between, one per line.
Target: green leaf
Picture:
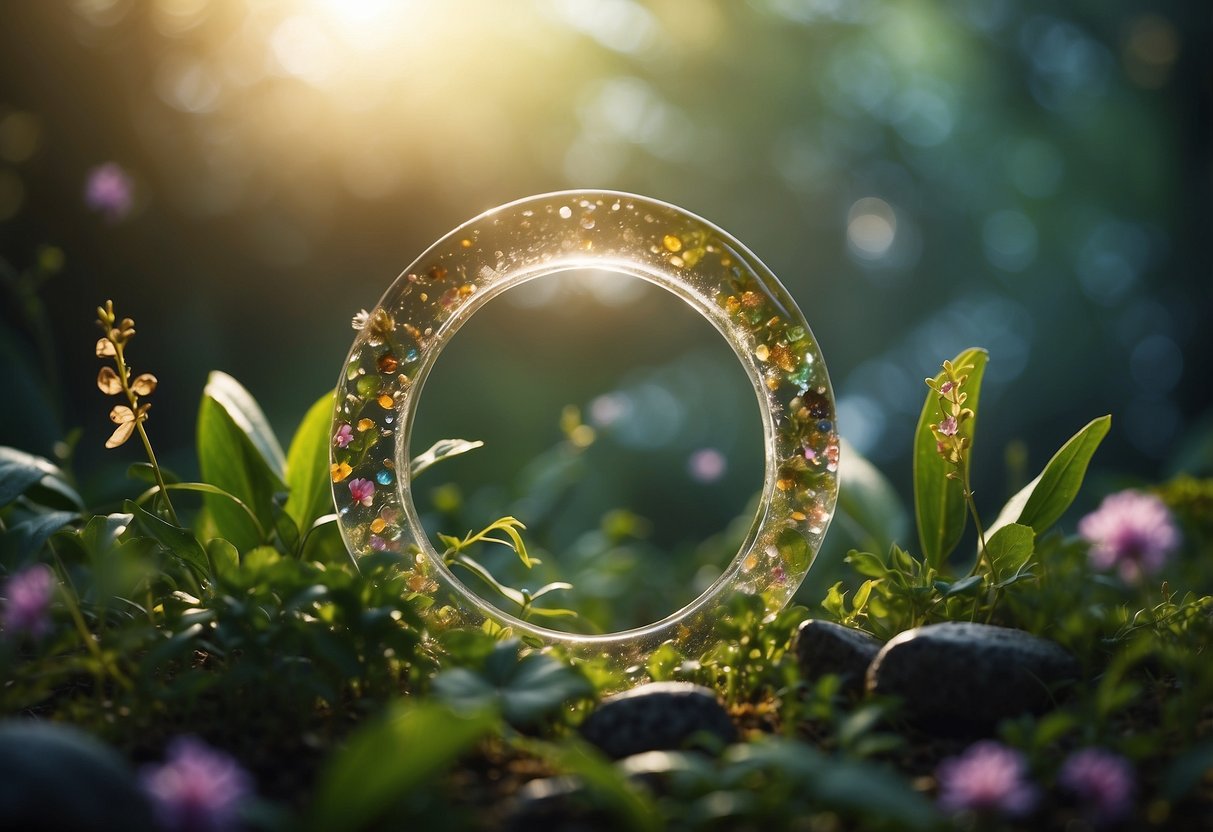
868	506
30	535
938	501
101	532
180	542
524	690
20	471
237	453
307	465
442	449
1009	548
388	758
244	410
962	587
1041	502
207	488
223	557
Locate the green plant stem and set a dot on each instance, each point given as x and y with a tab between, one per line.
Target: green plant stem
124	378
981	532
86	635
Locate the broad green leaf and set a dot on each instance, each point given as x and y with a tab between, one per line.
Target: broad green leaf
938	501
181	542
237	453
1041	502
523	689
243	408
868	507
31	534
20	471
962	587
442	449
102	531
223	556
215	491
307	465
390	757
1009	548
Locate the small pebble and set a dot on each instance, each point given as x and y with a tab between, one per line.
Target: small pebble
662	716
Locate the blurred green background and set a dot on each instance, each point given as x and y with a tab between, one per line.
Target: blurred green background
923	175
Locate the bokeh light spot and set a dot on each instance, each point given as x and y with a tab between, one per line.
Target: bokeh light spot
871	228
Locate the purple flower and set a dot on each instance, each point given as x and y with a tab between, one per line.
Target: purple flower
947	387
109	191
1102	781
707	465
344	436
987	778
948	426
378	543
197	789
363	491
28	601
1132	532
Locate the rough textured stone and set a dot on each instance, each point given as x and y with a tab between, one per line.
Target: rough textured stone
661	716
823	647
964	678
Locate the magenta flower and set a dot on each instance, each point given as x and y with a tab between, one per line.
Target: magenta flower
1102	781
363	491
947	387
109	191
988	778
344	436
948	426
197	789
28	601
1131	532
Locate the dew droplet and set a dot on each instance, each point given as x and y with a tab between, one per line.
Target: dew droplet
565	212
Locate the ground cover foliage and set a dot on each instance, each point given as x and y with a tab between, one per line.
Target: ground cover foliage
206	655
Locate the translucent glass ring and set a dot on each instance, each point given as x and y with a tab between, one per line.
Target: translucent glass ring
398	342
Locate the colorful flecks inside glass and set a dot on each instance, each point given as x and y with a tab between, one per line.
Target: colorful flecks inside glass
398	342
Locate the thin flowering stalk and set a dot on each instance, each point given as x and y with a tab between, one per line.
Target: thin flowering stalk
67	594
130	418
953	445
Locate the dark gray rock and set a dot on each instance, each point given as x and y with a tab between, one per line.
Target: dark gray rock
961	677
823	647
55	777
662	716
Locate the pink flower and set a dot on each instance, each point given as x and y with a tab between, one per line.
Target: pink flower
948	426
1132	532
363	491
947	387
344	436
28	601
1102	781
707	465
987	778
197	789
109	191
